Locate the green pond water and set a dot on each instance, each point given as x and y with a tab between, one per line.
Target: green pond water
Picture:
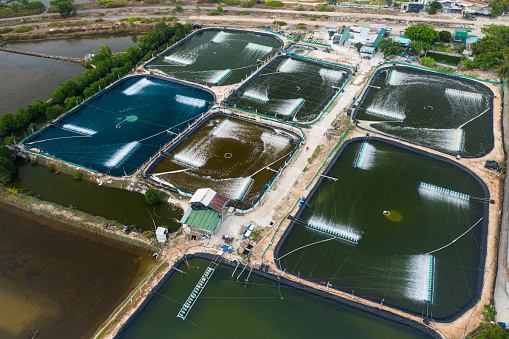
445	114
397	223
291	89
444	59
230	156
77	47
58	280
127	207
118	130
31	78
208	55
229	309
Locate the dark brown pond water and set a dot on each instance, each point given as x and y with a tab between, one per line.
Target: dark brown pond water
60	280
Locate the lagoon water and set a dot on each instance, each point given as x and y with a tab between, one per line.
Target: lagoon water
58	280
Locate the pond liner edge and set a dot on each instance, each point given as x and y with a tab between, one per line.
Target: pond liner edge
98	95
377	313
227	101
478	82
483	236
213	115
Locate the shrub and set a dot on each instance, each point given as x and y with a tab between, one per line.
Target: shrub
427	61
177	8
33	161
77	175
323	8
212	13
149	234
230	2
51	167
220	9
53	112
301	26
274	3
243	13
152	196
280	23
6	30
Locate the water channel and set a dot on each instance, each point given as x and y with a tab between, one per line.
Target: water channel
31	78
60	281
126	207
258	309
77	47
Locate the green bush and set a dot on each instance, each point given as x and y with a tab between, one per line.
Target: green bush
301	26
274	3
212	13
427	61
152	196
230	2
323	8
6	30
177	8
220	9
51	167
243	13
149	235
77	175
280	23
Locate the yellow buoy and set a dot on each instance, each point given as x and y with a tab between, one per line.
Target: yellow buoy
393	216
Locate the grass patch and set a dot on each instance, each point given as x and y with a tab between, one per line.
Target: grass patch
315	154
274	4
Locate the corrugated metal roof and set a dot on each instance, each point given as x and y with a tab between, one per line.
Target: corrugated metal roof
206	220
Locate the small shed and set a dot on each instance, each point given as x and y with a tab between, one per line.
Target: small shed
161	234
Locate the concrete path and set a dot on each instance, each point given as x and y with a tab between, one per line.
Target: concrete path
501	296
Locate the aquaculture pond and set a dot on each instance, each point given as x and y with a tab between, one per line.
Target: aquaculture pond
234	157
448	60
31	78
77	47
445	113
291	89
116	131
258	309
126	207
217	57
59	281
385	230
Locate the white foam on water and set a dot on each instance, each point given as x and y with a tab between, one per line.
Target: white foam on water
463	95
122	154
450	140
290	66
440	196
217	76
366	157
418	277
257	94
260	48
191	158
138	86
181	59
77	129
289	107
189	101
275	141
239	189
220	37
383	113
227	129
321	224
331	74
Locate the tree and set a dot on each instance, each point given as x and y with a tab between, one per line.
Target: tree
152	196
358	45
71	102
64	7
434	7
53	112
427	61
77	175
422	32
419	47
445	36
220	9
103	54
7	167
389	47
149	234
503	67
8	123
499	7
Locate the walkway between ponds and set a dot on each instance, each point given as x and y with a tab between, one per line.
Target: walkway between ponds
40	55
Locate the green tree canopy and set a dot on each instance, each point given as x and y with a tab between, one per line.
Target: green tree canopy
422	32
64	7
389	47
152	196
445	36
